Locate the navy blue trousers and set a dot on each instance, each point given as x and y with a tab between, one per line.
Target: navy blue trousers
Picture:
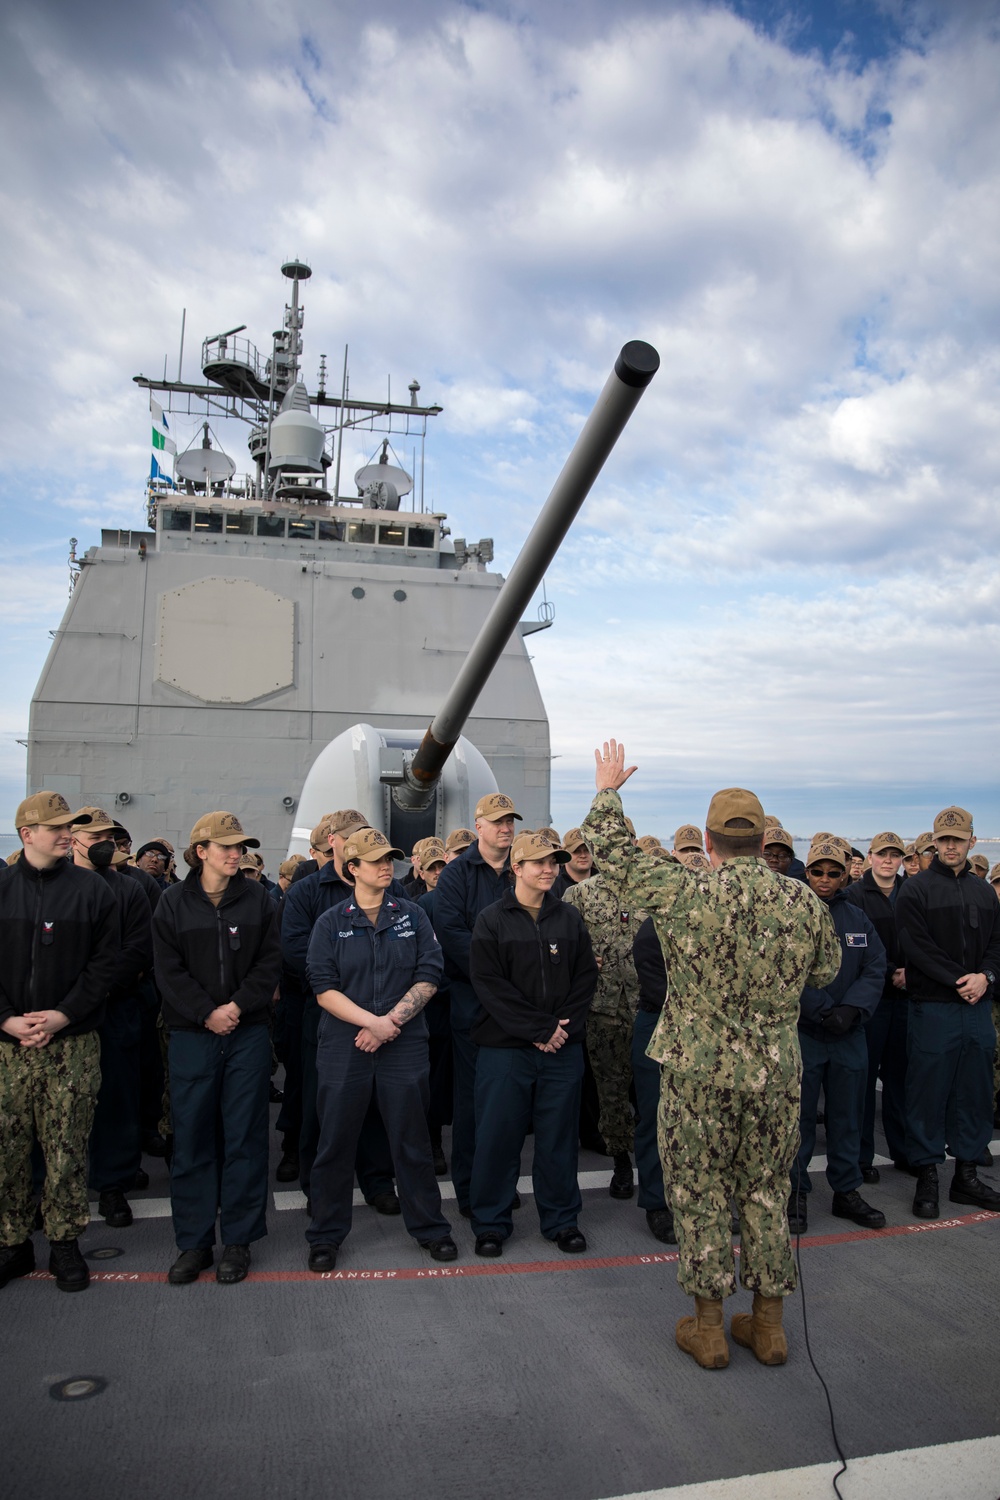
515	1087
839	1066
115	1141
288	1045
885	1035
464	1010
949	1081
151	1079
646	1077
373	1161
219	1102
348	1080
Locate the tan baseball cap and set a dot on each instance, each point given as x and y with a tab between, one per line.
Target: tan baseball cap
120	858
95	819
420	845
574	840
826	848
688	836
883	841
923	842
320	836
734	802
345	821
647	842
49	809
954	820
979	862
630	826
550	833
368	844
432	853
910	850
459	838
693	859
773	834
529	846
496	805
221	828
770	821
994	873
248	863
288	866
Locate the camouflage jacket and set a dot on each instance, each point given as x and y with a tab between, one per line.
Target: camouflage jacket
612	927
740	944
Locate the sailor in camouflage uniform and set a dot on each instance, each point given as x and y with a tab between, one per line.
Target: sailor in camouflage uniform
612	927
740	943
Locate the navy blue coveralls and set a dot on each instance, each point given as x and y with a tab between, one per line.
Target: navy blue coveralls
305	902
465	888
374	967
885	1031
839	1064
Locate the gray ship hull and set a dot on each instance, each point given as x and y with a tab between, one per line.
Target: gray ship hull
131	710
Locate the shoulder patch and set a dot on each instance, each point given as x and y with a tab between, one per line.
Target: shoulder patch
856	939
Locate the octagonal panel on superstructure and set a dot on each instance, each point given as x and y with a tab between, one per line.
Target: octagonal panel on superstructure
226	640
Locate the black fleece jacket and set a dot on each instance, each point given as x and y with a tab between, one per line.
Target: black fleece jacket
135	934
651	967
949	925
59	940
528	975
881	912
207	955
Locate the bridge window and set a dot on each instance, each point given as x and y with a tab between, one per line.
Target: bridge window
331	531
208	520
361	531
237	524
392	536
176	520
301	531
270	525
421	536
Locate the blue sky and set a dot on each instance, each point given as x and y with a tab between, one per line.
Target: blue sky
787	574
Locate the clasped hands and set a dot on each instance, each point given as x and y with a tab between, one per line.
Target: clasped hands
35	1028
379	1029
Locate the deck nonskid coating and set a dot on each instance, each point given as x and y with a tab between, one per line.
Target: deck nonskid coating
562	1383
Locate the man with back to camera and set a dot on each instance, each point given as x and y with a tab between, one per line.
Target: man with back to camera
949	930
115	1139
834	1053
740	944
885	1031
466	887
59	937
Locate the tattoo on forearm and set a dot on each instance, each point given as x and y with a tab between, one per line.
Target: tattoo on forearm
413	1001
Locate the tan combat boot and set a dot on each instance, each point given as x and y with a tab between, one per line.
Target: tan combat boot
761	1330
704	1335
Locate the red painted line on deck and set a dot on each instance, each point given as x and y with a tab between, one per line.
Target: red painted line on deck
533	1267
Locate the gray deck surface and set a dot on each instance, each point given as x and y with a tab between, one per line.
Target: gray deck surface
563	1384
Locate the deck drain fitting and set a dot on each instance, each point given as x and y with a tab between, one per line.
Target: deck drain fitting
80	1388
105	1252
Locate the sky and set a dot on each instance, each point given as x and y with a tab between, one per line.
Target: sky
786	576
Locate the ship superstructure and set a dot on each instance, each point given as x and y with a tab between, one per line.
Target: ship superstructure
206	660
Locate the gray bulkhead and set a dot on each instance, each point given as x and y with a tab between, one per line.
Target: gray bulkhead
207	667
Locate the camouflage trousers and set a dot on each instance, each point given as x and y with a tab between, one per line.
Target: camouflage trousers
609	1047
49	1092
722	1143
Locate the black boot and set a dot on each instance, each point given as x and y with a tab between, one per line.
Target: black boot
798	1217
68	1266
967	1188
925	1196
287	1169
622	1182
853	1206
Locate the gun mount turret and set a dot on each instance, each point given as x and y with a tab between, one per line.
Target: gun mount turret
413	783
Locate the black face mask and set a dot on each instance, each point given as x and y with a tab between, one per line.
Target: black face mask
101	855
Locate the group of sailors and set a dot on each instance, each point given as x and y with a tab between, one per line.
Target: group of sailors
511	983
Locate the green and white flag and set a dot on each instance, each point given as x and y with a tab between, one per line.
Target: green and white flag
164	447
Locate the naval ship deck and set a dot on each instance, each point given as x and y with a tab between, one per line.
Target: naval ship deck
539	1376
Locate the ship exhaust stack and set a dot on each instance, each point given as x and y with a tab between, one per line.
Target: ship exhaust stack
413	787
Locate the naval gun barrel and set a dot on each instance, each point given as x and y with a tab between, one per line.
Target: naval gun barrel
634	368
